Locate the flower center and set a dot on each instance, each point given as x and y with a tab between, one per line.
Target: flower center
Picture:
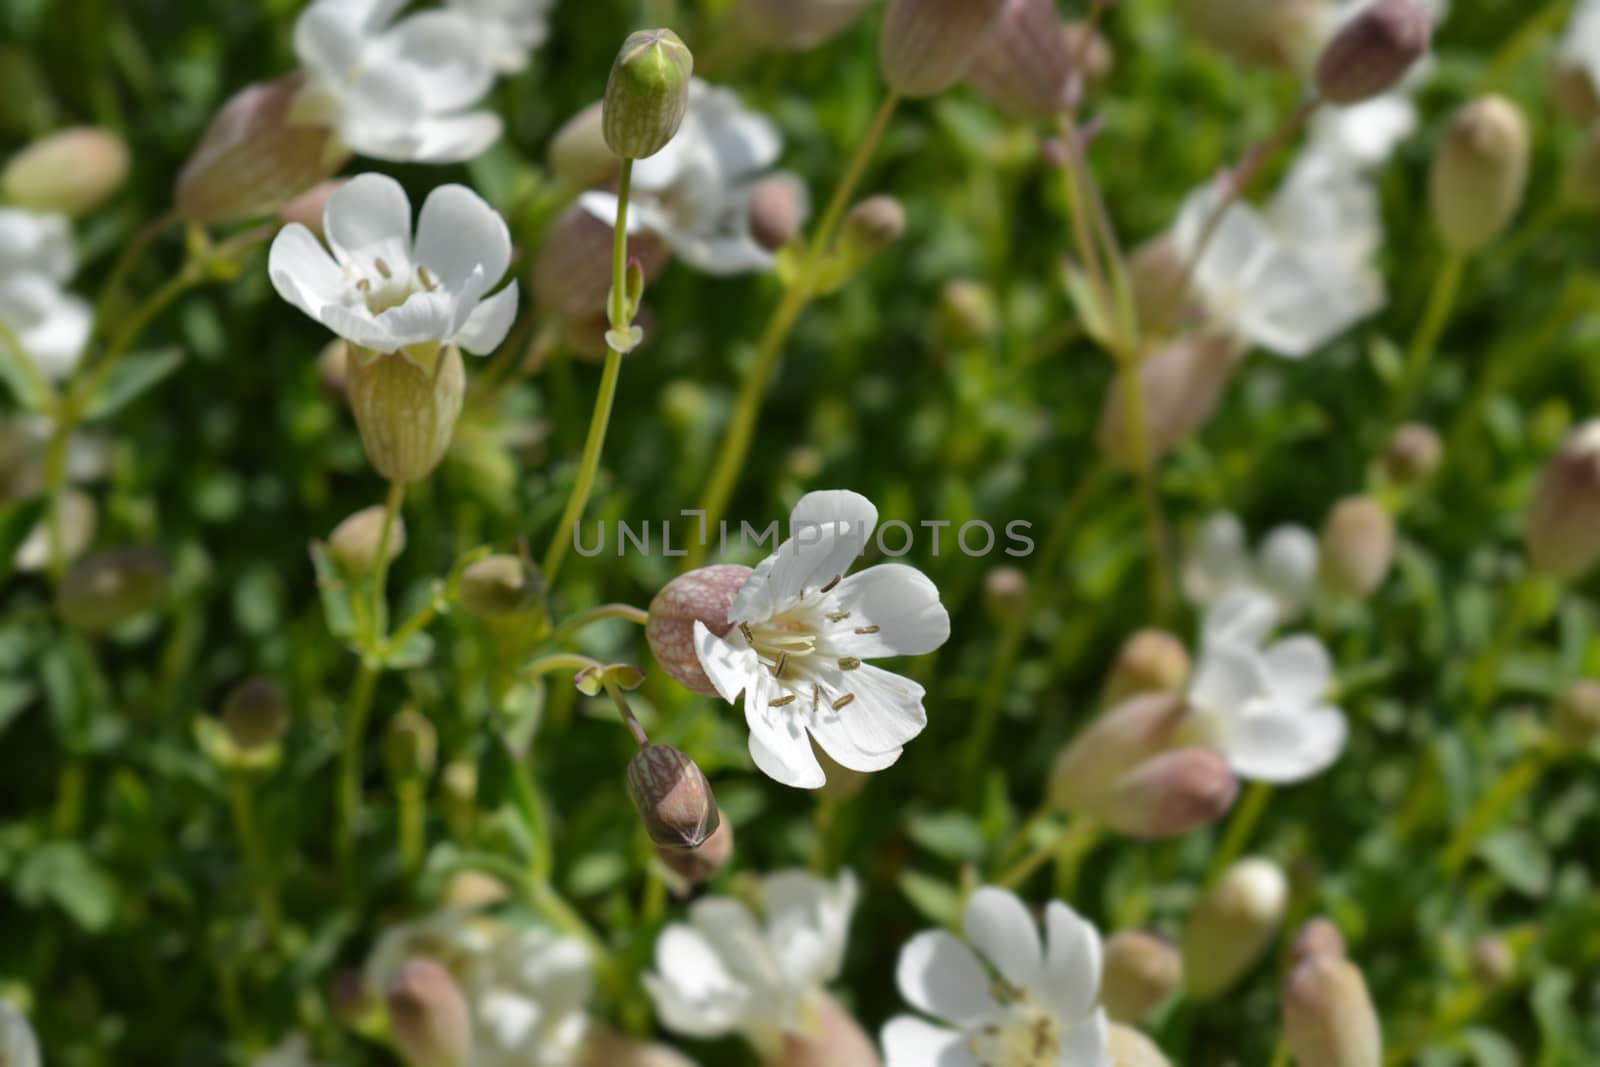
793	648
384	287
1027	1036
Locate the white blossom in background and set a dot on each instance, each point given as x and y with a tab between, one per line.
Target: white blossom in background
508	30
695	193
292	1051
397	91
728	971
52	326
1016	1001
23	443
801	635
1219	562
1580	44
1363	136
38	244
385	291
18	1045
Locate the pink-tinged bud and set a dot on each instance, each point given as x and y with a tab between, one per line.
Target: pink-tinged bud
1142	971
871	226
1150	661
1232	926
578	152
1128	1047
604	1047
1577	715
1480	174
1156	273
834	1039
1087	771
703	595
797	25
71	171
1563	521
1357	547
572	272
1414	454
673	797
1372	52
1171	794
474	891
777	208
1494	961
1023	66
354	542
254	157
428	1016
406	414
701	864
927	45
1328	1017
1005	593
1283	34
307	208
1319	937
1183	384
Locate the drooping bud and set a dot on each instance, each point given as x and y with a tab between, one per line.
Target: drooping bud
1171	794
308	209
1372	51
1577	715
1357	547
777	209
834	1039
1318	937
572	272
501	585
1328	1017
428	1016
703	595
18	1045
255	713
797	25
699	865
254	157
927	45
106	589
1282	35
410	746
1141	972
967	311
1563	520
578	153
1005	593
406	413
1182	383
1087	771
870	227
1150	661
673	797
354	542
604	1047
71	171
1479	174
1232	926
1023	66
1414	454
647	93
1128	1047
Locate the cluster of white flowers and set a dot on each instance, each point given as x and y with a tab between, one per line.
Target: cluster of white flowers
48	323
1219	563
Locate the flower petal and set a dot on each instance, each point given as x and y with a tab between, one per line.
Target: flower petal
1299	670
828	532
486	327
902	604
779	743
999	927
1289	557
730	666
441	53
867	733
1072	961
458	232
1086	1041
694	992
455	138
941	976
1226	679
911	1042
1272	743
302	271
367	216
1243	617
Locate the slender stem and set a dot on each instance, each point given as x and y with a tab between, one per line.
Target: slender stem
1489	809
1240	829
55	481
853	173
125	262
69	796
617	306
376	593
588	618
1072	841
561	661
412	828
357	710
255	855
1134	416
1441	301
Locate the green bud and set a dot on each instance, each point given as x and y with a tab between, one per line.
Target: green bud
1232	926
500	585
354	542
871	226
255	713
410	745
1141	973
1577	717
1563	521
110	587
1480	174
72	171
406	413
429	1017
647	93
967	311
1373	51
673	797
578	152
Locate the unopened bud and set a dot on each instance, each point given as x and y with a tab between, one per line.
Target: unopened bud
1141	972
1023	66
1182	384
967	311
71	171
1005	593
647	93
1577	716
1357	547
1150	661
1563	520
354	542
106	589
1157	273
1480	174
309	208
1087	771
76	520
1089	50
703	595
1283	34
927	45
255	713
458	795
1127	1047
1414	454
834	1039
1573	91
428	1016
777	208
406	413
1232	926
572	272
473	891
1493	961
410	745
673	797
349	999
500	585
578	153
871	226
797	25
1328	1017
1171	794
1373	51
700	864
1318	937
255	157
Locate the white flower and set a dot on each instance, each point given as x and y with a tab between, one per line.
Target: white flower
1013	1003
18	1045
36	244
1363	136
382	291
1261	707
51	325
507	29
695	192
395	92
1219	562
728	972
1580	45
801	635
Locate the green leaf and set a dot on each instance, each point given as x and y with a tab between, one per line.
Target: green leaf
15	696
938	901
337	609
129	377
62	873
1520	859
951	835
22	378
16	523
414	651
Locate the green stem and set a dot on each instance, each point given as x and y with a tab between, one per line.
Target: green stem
412	828
377	591
588	618
1419	355
255	855
1072	840
357	711
1240	829
1490	808
69	796
1162	582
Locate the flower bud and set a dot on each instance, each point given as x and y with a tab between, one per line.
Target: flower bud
354	542
1232	926
967	311
1087	771
1479	174
349	999
647	93
1357	547
501	585
308	209
572	272
255	713
458	795
1373	51
1577	717
1494	963
578	153
255	157
1573	91
1089	48
699	865
1141	972
1005	593
871	226
71	171
834	1039
77	518
1319	937
410	746
1283	34
1563	520
1150	661
927	45
797	25
777	208
1182	383
1414	454
673	797
428	1016
702	595
1171	794
604	1047
470	890
1328	1018
1023	66
406	413
1127	1047
108	588
18	1045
